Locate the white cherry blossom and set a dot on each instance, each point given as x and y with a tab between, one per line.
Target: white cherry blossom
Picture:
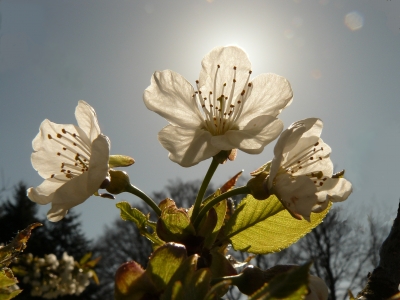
318	289
73	160
301	171
226	110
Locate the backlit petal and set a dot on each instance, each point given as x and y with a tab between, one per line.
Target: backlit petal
98	164
258	133
270	94
171	96
227	58
87	120
335	190
187	147
42	194
297	194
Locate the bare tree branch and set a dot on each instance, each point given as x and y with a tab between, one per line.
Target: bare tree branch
384	280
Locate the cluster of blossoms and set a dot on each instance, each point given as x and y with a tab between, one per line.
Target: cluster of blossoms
226	111
50	278
230	111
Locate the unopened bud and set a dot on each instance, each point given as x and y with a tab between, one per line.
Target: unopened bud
119	182
131	282
120	161
258	186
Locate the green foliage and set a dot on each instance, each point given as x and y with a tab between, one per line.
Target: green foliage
17	245
291	285
7	254
187	282
161	272
7	281
263	227
174	223
142	221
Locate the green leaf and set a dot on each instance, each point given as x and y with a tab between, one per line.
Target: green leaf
220	265
120	161
174	223
252	278
218	290
264	226
7	280
291	285
220	209
85	258
208	223
164	262
17	245
193	284
142	221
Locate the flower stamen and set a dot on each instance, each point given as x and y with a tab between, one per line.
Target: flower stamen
76	162
221	113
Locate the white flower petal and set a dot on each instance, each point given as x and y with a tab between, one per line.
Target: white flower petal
301	170
335	190
98	164
296	141
72	193
253	138
73	165
87	120
187	147
43	194
236	114
317	158
258	133
318	289
44	158
270	94
56	213
320	207
287	140
297	194
227	58
171	96
304	129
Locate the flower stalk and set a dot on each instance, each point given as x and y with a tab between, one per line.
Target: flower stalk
150	202
211	170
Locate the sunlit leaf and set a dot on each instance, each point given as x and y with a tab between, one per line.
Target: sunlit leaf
174	223
85	258
218	290
220	209
7	280
193	284
291	285
220	265
164	262
17	245
142	221
351	296
264	226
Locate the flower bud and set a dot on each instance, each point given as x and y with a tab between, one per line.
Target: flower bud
119	182
258	186
131	282
120	161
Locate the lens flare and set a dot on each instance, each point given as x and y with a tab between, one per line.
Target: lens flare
354	21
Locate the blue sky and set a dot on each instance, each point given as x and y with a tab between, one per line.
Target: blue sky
342	59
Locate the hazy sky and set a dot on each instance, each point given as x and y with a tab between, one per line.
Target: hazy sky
342	59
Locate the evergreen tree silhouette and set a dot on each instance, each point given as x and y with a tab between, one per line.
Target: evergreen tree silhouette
59	237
